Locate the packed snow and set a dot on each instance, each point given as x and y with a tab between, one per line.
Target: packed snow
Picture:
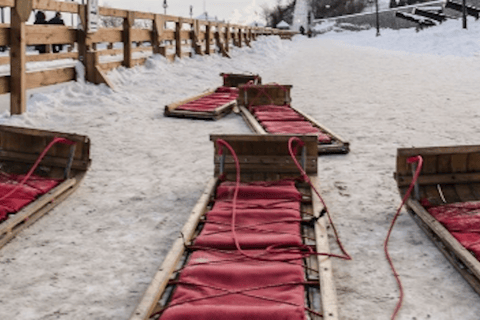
94	255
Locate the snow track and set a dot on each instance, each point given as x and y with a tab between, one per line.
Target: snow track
92	257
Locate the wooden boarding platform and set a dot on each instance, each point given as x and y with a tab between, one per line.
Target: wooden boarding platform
67	164
420	20
230	80
458	6
450	178
279	95
262	158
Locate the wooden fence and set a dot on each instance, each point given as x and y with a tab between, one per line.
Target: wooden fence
129	45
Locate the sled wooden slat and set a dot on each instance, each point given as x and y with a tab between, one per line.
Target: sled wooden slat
250	147
274	94
20	148
449	175
229	80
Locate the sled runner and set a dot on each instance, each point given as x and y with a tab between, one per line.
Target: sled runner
445	202
267	109
26	196
212	104
206	276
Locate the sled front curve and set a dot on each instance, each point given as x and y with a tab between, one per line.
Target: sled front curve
64	164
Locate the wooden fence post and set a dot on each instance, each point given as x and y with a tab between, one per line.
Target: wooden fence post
156	32
178	38
128	23
227	38
196	45
208	38
18	74
240	36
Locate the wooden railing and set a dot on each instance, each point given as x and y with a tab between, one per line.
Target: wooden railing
171	36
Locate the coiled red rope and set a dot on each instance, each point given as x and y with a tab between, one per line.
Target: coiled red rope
304	251
416	159
37	162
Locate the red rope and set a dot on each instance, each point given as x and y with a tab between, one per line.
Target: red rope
292	152
37	162
418	159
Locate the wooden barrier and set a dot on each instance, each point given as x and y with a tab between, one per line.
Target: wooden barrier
173	37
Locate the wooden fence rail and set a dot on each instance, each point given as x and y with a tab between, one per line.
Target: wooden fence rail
108	48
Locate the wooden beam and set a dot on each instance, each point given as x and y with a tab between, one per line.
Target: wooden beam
227	39
160	281
7	3
178	38
127	39
101	77
49	77
18	61
4	84
327	284
51	5
208	39
141	35
158	27
106	35
50	34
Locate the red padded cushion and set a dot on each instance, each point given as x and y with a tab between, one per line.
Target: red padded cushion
218	271
24	194
463	221
255	229
283	189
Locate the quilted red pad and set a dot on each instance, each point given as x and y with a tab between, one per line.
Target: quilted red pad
212	101
255	229
25	194
463	221
283	189
217	285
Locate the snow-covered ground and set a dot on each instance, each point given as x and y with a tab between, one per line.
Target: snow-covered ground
94	255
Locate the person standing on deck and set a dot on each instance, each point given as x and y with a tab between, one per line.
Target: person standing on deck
40	18
57	20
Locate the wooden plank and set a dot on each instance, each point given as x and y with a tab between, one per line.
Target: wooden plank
473	163
178	39
167	35
459	162
49	77
444	235
7	3
4	84
160	281
105	35
110	65
141	35
464	192
251	121
327	284
18	78
51	5
53	56
173	106
50	34
127	40
4	34
434	151
102	77
111	12
432	179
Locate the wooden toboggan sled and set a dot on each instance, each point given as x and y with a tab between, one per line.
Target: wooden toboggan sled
445	202
23	200
204	276
212	104
267	109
